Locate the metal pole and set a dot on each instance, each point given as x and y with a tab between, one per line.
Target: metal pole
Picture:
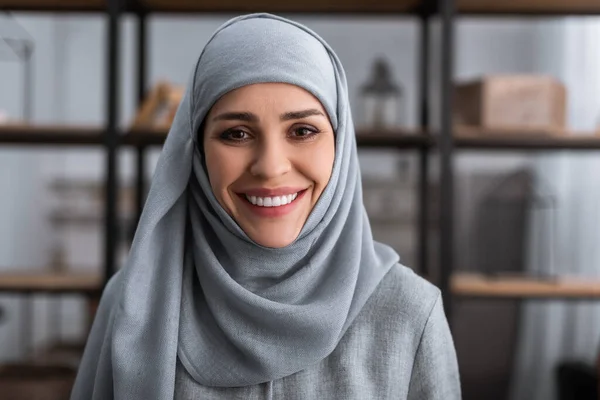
446	150
27	82
111	139
140	191
141	56
26	325
423	193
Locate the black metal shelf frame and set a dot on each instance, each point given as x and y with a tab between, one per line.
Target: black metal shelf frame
423	13
444	142
446	147
112	140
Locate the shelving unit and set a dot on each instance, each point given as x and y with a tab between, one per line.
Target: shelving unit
110	138
448	141
479	287
470	139
103	137
31	282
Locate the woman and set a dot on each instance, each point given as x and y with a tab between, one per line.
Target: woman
253	273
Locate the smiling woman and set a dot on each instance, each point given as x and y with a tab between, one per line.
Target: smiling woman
253	273
269	152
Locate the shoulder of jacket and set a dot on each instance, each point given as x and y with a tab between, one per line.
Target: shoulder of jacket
405	296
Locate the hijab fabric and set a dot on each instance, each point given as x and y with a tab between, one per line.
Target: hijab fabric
196	286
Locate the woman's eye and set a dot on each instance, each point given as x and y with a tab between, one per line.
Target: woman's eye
304	132
235	135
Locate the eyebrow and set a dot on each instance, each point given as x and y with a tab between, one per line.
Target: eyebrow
300	114
236	116
250	117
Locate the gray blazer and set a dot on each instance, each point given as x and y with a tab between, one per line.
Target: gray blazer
399	347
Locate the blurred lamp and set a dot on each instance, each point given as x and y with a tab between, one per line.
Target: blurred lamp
381	98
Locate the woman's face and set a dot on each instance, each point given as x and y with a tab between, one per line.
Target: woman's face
269	151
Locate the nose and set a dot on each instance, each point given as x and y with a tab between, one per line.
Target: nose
271	159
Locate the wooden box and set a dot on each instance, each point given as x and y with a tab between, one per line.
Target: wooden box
511	102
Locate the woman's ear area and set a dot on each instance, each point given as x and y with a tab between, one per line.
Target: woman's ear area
200	134
200	137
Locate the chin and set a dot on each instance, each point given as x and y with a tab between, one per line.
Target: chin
275	244
275	241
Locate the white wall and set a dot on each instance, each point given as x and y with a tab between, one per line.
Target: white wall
69	88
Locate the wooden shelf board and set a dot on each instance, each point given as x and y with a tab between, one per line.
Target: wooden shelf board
275	6
34	281
467	139
145	137
89	219
476	285
524	139
529	7
53	5
51	135
60	353
400	138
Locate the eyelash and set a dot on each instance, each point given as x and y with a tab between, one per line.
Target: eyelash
226	136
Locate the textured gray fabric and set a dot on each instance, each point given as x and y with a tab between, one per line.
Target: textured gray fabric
398	347
195	286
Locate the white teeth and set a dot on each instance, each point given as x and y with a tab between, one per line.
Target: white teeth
274	201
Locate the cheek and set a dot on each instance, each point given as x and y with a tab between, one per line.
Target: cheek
224	166
318	165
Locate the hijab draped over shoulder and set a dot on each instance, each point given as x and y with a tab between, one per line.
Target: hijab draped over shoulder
195	286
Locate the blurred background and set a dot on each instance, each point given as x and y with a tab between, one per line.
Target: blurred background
479	144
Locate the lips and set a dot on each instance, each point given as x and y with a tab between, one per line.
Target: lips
272	202
264	192
275	201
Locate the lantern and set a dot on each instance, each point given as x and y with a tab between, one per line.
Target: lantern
382	102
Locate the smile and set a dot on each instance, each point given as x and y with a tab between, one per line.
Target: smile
275	201
271	203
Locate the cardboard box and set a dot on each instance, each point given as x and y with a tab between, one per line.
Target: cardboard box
511	102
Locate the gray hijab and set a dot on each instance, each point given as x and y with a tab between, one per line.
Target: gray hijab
195	286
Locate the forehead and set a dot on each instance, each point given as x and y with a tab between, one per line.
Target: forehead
274	96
